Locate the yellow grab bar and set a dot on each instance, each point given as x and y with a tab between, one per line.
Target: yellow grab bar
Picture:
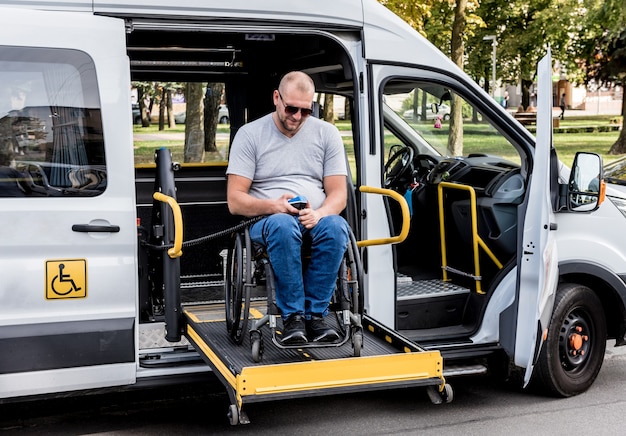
176	250
477	241
406	217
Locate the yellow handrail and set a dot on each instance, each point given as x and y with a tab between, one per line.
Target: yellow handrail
406	217
176	250
476	239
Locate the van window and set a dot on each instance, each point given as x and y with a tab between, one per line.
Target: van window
51	141
177	114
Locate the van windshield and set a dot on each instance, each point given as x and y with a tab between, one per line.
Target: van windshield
425	111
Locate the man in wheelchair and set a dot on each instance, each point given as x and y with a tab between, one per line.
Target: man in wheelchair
280	156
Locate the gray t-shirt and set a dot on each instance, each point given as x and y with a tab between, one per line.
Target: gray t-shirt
277	164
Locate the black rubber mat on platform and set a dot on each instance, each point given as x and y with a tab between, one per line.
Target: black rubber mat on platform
213	332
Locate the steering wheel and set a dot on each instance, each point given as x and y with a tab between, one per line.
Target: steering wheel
424	165
398	165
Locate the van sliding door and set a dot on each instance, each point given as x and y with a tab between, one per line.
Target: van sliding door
68	228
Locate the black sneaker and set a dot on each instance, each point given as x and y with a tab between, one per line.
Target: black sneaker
318	331
294	330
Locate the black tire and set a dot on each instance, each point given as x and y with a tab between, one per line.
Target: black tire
256	346
233	414
223	120
233	288
357	342
572	355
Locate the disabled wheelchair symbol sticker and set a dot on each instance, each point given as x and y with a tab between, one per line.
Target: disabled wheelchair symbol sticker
66	279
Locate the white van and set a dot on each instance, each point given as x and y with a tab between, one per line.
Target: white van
507	260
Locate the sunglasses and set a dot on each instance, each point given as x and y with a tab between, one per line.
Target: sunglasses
292	110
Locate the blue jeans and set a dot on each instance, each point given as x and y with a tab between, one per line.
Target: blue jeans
297	292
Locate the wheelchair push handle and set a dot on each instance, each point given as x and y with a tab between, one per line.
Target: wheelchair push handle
406	217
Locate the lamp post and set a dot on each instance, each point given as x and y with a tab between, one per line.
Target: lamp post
494	44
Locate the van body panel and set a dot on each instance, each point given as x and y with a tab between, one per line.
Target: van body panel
63	286
52	5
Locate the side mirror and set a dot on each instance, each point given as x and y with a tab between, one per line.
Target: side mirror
434	108
585	190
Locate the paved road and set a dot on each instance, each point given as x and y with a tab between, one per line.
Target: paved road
481	407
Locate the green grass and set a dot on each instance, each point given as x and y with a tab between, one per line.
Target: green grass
477	138
481	138
567	144
179	128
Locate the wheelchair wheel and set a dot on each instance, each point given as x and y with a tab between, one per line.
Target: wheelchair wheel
356	275
233	287
348	293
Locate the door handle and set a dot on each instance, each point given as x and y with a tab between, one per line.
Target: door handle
88	228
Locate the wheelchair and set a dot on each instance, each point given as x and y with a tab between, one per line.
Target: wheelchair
249	281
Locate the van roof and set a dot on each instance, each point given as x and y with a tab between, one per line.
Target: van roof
341	13
388	38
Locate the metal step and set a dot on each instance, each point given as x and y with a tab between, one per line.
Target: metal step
459	370
411	290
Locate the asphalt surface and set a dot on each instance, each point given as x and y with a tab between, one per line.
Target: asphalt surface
482	406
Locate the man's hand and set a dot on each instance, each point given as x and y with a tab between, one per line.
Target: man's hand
309	217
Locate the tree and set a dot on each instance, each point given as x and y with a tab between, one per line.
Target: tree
145	91
455	138
329	108
434	19
212	100
414	13
523	30
194	122
615	68
164	99
600	52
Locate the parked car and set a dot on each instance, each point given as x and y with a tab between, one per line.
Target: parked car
223	117
443	110
615	172
136	114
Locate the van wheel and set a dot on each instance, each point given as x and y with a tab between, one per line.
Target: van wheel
572	356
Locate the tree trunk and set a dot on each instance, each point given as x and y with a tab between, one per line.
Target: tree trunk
526	84
170	111
143	110
329	108
194	123
620	145
346	110
455	138
162	110
212	100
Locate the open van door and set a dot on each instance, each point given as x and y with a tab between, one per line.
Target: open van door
538	267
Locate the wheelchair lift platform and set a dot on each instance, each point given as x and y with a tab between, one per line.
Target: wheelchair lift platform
388	360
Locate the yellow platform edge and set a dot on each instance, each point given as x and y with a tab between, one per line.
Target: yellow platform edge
339	373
